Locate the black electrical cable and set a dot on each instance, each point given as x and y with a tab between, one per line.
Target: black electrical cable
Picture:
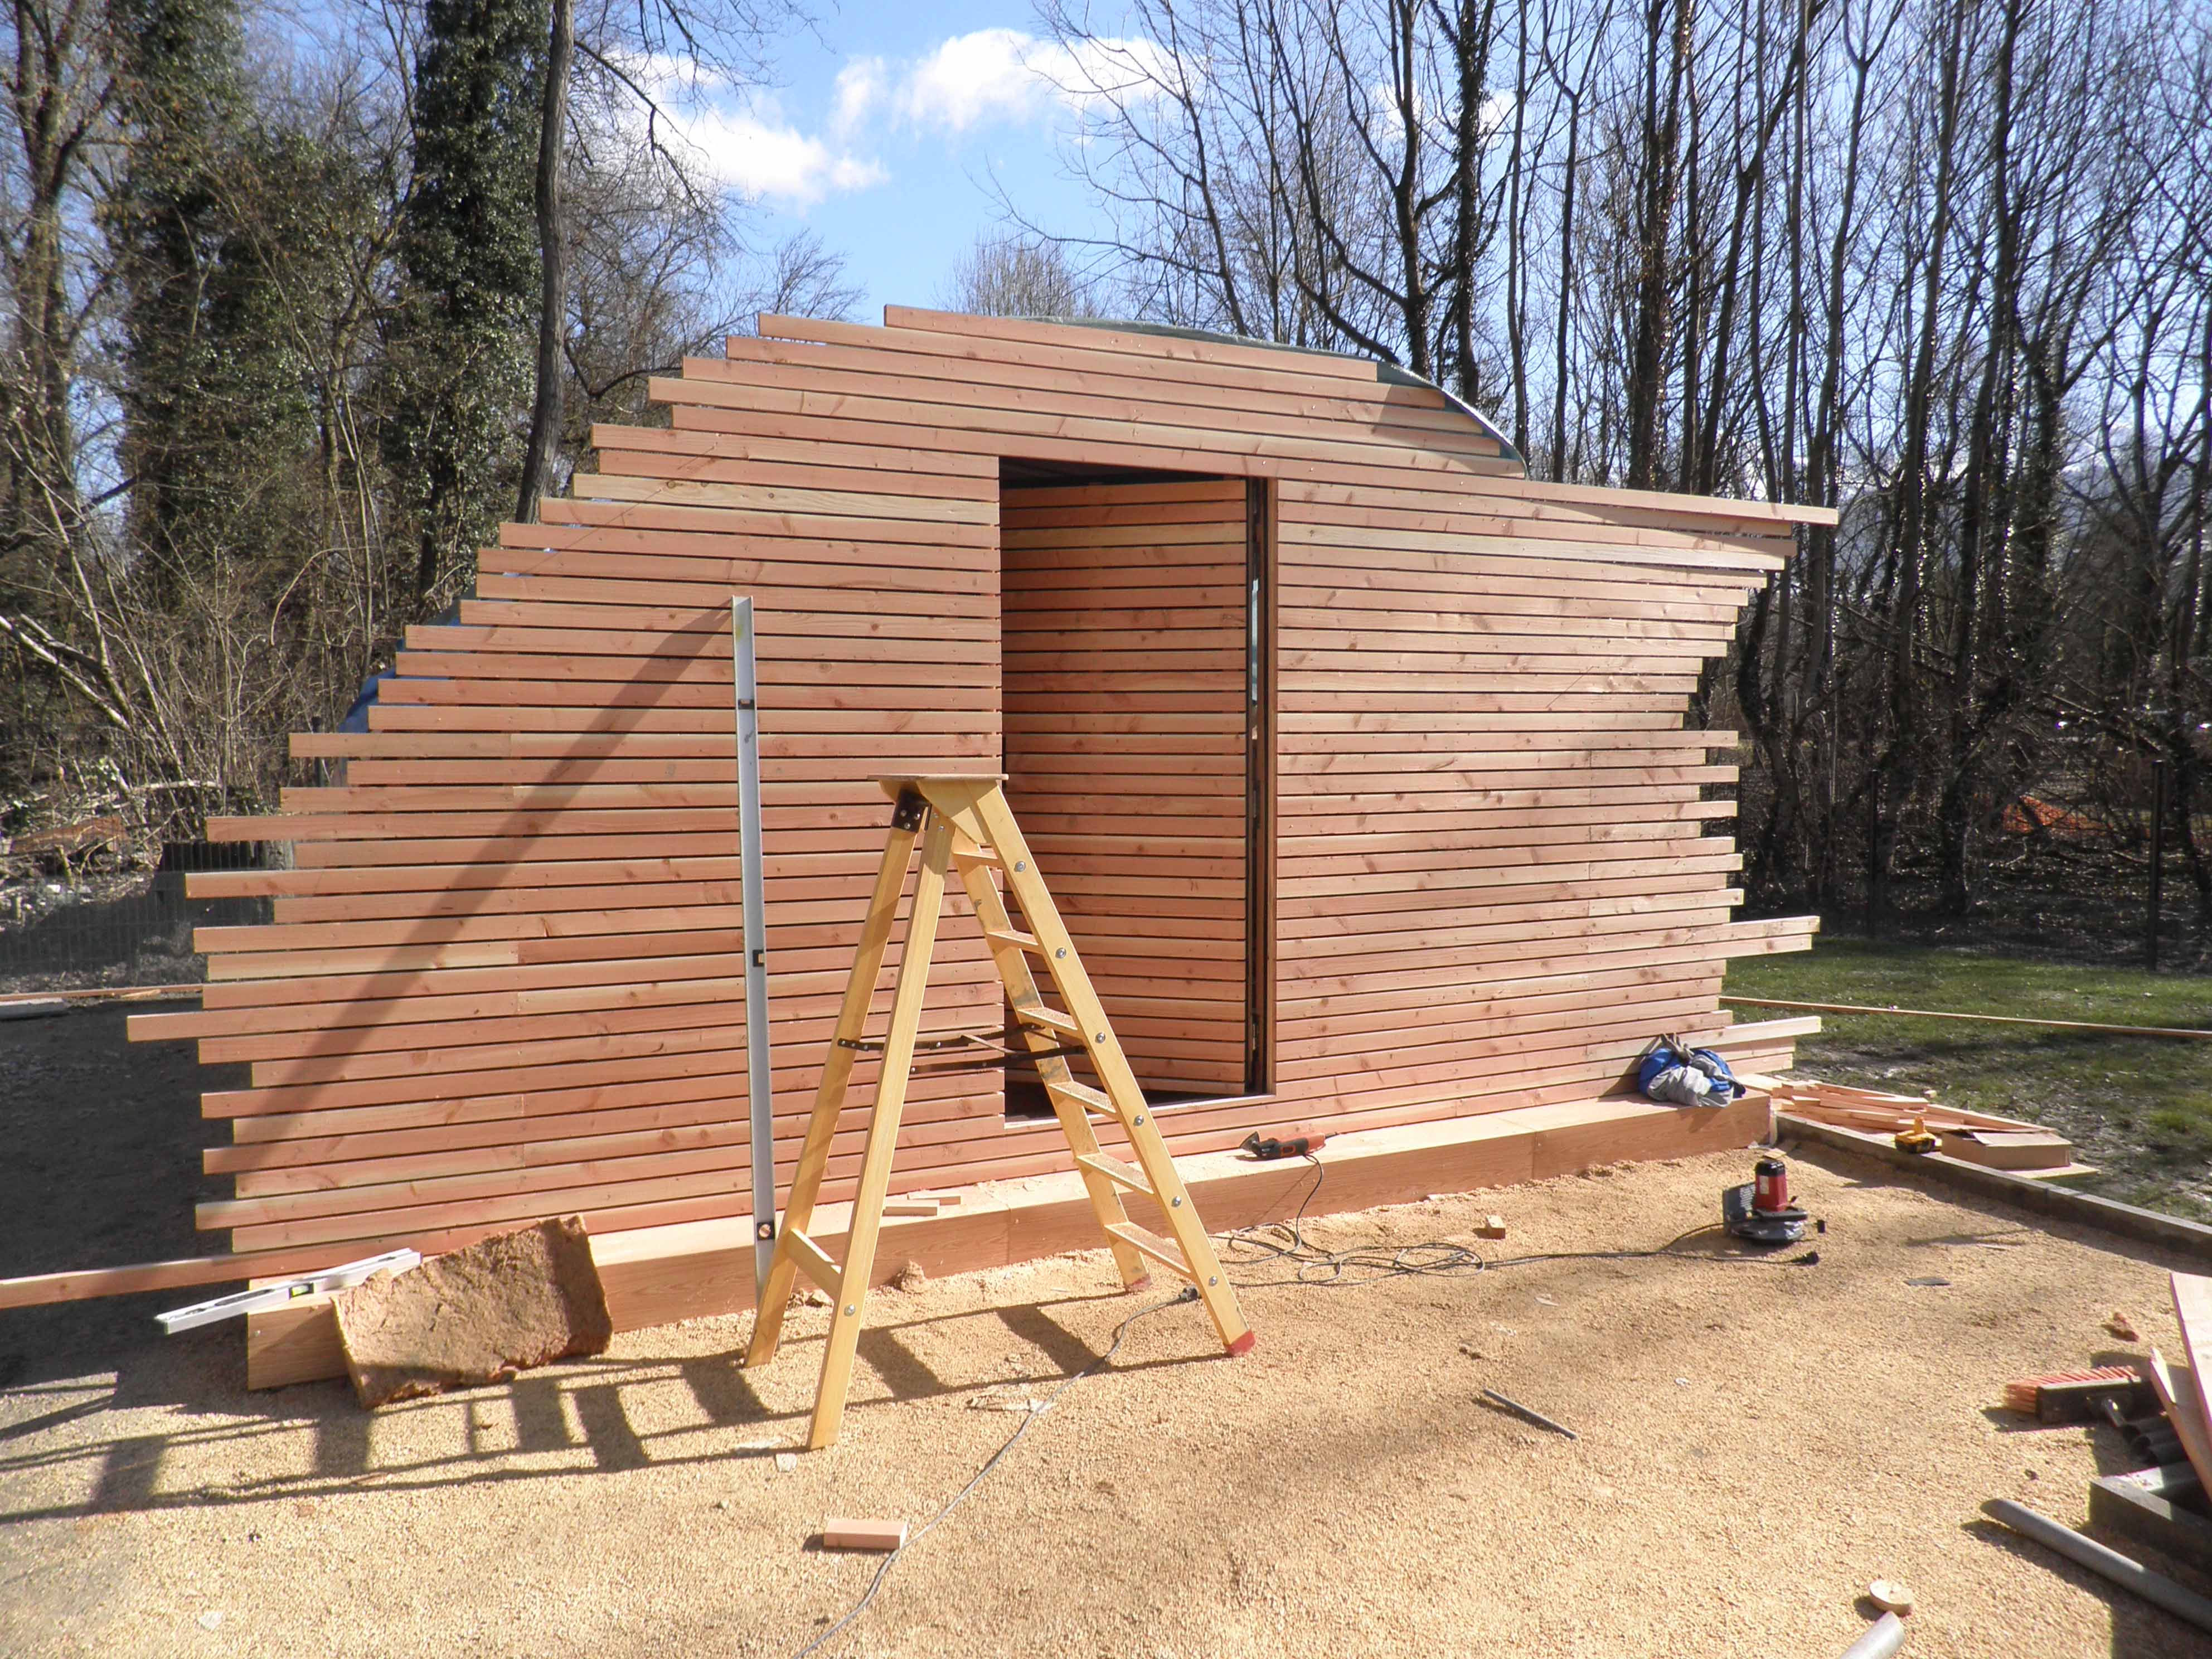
1284	1242
1187	1294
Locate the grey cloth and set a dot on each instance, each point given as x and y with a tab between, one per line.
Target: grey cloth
1687	1085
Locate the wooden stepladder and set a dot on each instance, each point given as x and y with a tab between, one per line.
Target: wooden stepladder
965	825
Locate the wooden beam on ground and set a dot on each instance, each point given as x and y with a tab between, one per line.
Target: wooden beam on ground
110	994
656	1276
1987	1019
183	1273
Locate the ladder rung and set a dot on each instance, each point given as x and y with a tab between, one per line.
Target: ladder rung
1052	1019
1090	1099
1114	1169
1152	1245
982	856
814	1261
1020	941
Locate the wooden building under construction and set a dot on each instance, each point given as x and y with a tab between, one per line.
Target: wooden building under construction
1355	759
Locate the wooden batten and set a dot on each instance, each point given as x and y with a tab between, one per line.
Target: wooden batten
1355	759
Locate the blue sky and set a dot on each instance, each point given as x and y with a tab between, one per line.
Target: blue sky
884	132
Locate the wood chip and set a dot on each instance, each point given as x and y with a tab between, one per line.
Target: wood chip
1890	1595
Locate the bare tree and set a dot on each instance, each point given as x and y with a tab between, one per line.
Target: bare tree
615	41
1020	276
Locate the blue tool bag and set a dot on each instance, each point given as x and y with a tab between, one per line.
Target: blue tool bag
1677	1076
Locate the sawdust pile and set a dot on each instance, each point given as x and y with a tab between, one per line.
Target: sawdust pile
1757	1445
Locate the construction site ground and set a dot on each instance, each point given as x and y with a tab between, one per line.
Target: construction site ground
1758	1441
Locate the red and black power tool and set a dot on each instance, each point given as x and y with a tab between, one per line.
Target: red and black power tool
1761	1209
1287	1146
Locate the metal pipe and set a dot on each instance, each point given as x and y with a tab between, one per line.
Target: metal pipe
1882	1638
1537	1417
746	688
2184	1604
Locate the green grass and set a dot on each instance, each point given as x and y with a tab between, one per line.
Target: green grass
2139	1108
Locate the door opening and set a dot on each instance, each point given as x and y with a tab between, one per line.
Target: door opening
1135	690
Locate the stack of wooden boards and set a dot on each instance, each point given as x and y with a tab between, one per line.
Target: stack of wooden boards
1995	1143
2164	1504
504	976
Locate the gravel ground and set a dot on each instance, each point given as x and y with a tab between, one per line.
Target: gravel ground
1758	1441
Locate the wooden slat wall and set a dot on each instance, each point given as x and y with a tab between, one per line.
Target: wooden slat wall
504	979
1490	815
507	977
1125	631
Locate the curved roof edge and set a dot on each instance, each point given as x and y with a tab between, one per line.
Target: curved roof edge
1388	374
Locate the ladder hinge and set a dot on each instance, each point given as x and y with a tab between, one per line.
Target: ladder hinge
909	810
764	1231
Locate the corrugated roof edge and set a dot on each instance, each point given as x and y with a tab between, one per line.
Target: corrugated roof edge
1388	374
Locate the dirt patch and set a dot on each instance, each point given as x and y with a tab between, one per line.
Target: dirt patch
1758	1444
2048	899
103	1138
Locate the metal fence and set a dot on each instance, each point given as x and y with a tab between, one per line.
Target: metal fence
72	929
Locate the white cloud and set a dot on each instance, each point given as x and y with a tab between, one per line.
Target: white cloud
988	76
1004	75
972	77
750	147
861	86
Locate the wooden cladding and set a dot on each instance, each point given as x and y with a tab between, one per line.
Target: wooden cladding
504	979
1125	634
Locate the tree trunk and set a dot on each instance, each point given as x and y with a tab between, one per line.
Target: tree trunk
553	254
1899	762
1662	131
1566	287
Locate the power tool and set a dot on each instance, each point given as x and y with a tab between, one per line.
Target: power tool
1287	1146
1761	1209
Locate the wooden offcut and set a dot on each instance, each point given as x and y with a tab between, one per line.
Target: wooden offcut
858	1534
1358	759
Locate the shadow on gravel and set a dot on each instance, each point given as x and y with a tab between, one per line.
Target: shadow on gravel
102	1168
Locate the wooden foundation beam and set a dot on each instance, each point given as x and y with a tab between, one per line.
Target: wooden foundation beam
658	1275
